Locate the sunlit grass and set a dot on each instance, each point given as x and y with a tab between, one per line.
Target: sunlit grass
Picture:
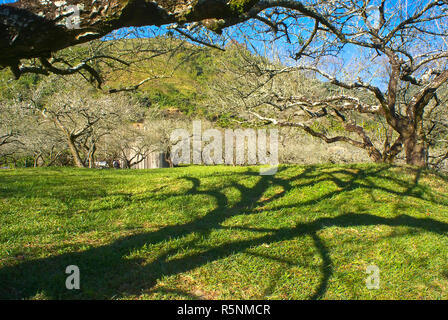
224	233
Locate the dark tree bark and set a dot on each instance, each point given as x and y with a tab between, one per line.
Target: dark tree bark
74	151
71	142
35	29
91	155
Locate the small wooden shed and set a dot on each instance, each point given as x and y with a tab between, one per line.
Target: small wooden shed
153	160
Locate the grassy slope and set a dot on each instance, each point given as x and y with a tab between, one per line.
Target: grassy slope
224	232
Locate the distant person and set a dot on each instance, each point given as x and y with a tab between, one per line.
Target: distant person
116	164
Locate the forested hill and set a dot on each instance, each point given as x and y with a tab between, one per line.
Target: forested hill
181	71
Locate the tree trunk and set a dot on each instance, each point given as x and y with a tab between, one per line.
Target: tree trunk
92	155
74	152
36	160
70	141
415	151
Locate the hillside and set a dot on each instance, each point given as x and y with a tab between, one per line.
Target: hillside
308	232
182	71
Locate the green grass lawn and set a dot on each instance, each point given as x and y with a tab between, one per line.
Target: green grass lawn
224	233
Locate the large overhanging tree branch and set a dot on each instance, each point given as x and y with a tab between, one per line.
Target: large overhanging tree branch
31	32
36	29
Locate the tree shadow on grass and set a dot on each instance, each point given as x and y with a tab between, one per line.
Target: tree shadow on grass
109	271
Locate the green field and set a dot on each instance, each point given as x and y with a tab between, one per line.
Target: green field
309	232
